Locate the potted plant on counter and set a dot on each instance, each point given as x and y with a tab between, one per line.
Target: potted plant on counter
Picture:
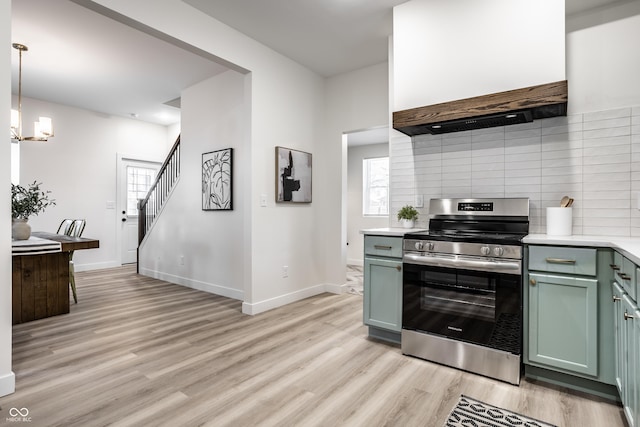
25	202
407	216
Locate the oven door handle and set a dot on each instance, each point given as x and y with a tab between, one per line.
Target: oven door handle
508	267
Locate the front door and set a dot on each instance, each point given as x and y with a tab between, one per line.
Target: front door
135	179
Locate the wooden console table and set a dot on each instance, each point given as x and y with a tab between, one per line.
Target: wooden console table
40	282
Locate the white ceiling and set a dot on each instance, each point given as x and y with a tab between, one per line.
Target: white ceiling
81	58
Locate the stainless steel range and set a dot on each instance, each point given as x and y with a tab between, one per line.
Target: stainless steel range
462	286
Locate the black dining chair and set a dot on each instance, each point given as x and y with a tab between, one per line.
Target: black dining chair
72	228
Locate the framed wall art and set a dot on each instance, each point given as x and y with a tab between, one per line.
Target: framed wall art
293	176
217	180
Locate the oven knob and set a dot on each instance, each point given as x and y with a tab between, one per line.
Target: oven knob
498	251
418	246
485	250
430	246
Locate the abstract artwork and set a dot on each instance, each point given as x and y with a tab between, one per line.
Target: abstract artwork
293	176
216	180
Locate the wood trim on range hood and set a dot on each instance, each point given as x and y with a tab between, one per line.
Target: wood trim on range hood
497	109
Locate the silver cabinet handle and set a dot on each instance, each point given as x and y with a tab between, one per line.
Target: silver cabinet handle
627	316
383	247
616	298
561	261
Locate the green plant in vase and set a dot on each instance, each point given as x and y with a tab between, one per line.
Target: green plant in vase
408	215
26	202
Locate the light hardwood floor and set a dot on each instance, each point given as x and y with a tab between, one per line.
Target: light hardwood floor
141	352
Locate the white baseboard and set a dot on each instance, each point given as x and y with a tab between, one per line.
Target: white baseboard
353	261
7	384
247	308
194	284
96	266
279	301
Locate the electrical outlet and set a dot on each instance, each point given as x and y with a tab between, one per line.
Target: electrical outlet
181	259
419	201
263	200
285	271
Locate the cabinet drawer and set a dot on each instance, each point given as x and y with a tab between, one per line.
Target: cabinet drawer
383	246
568	260
624	272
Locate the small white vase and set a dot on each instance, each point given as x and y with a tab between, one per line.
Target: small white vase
20	229
407	223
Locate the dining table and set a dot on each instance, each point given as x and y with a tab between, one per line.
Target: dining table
40	274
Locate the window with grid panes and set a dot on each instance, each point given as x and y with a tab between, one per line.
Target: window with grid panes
139	181
375	188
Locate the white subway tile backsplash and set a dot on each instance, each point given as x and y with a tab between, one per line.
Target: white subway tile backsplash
522	172
574	127
523	158
594	158
611	177
607	124
607	133
604	196
531	182
607	150
605	168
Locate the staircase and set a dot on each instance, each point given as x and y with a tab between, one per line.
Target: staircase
150	206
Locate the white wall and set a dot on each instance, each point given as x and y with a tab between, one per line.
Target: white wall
286	102
211	242
7	378
603	63
447	50
356	221
78	166
355	101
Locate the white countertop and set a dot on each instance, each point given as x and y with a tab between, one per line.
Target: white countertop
629	246
391	231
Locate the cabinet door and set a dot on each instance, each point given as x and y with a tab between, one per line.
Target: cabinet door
631	329
635	375
618	336
383	293
563	323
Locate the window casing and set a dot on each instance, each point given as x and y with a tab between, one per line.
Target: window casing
375	188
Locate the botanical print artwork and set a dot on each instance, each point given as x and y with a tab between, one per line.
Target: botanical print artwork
216	180
293	175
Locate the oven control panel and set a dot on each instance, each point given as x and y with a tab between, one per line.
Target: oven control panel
475	206
433	248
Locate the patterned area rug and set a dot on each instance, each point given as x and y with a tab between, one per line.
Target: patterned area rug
471	412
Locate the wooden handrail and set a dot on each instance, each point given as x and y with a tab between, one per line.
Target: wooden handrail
150	206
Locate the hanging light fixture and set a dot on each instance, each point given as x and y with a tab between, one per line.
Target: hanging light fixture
42	129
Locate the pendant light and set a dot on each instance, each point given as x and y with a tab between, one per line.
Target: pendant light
42	129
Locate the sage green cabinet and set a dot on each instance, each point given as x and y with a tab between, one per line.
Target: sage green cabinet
382	297
633	370
568	317
563	322
627	349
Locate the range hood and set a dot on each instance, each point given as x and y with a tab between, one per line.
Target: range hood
497	109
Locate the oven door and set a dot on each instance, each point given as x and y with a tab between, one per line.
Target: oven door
479	307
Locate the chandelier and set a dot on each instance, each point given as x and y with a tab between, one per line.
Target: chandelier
42	129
